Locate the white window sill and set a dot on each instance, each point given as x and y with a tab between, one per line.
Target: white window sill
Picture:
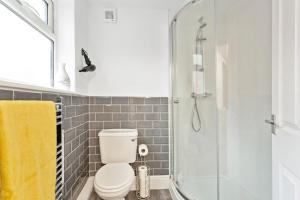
5	84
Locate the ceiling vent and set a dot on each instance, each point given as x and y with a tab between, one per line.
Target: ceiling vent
110	15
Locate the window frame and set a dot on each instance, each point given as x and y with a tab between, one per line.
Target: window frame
31	18
47	29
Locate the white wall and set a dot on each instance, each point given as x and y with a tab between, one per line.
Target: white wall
65	37
172	5
81	41
71	35
131	55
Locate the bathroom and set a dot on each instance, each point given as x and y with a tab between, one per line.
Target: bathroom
139	99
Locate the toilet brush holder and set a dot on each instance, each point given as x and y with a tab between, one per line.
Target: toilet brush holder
143	180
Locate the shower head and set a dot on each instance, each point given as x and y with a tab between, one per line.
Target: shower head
201	22
199	35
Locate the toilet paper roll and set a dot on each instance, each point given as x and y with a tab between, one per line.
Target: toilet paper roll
144	182
143	150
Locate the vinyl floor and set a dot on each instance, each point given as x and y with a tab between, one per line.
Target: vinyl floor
155	195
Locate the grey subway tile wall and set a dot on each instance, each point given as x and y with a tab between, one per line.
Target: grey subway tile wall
85	116
6	95
76	128
75	125
27	96
148	115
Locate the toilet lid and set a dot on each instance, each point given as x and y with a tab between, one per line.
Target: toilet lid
114	175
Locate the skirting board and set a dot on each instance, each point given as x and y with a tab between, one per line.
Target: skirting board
156	183
87	190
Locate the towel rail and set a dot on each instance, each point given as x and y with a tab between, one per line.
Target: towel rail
59	151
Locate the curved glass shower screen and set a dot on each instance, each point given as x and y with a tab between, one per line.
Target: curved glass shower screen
194	116
221	96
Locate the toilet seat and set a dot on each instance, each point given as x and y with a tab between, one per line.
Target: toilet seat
113	178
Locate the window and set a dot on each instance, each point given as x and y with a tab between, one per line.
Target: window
27	41
43	9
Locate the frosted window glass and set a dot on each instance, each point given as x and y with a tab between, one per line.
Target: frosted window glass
26	55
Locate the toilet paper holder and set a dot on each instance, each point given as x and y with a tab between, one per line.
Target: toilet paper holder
143	172
143	150
143	190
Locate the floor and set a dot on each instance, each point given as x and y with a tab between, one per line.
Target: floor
155	195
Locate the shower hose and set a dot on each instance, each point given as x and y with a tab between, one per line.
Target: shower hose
197	115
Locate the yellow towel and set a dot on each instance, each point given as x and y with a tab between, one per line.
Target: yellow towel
27	150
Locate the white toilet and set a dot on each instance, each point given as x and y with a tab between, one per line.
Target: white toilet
117	148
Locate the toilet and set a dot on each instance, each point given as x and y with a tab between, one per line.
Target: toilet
118	149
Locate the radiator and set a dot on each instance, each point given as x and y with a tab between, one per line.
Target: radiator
59	187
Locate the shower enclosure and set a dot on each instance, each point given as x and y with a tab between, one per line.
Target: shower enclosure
221	96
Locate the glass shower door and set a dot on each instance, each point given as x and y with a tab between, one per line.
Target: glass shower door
244	86
194	165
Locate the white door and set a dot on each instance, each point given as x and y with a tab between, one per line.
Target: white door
286	99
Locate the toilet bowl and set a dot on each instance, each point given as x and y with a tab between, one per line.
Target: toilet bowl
118	148
113	181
